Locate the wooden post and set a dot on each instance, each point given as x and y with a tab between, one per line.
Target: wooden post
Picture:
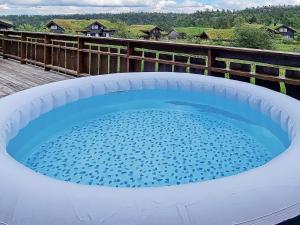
79	56
210	61
4	44
23	48
130	49
47	52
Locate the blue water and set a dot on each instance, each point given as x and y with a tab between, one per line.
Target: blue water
148	138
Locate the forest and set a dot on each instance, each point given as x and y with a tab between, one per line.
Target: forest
288	15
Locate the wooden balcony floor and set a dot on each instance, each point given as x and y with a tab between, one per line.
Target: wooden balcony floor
16	77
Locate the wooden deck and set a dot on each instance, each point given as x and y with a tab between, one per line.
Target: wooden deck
15	77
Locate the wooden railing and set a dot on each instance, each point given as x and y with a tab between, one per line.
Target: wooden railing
81	56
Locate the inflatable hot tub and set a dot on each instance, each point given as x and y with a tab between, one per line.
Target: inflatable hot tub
267	193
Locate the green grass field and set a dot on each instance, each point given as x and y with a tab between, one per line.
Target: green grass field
287	47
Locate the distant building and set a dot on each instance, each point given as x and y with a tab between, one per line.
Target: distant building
285	31
216	35
54	27
203	36
86	27
271	31
6	25
173	35
153	33
96	29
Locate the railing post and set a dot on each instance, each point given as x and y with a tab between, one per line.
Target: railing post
130	50
80	46
23	48
210	61
4	45
47	52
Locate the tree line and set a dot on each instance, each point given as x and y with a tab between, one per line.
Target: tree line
289	15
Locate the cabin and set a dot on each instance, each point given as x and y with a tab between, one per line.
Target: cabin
285	31
216	35
174	35
96	29
154	33
203	36
271	31
55	27
6	25
87	27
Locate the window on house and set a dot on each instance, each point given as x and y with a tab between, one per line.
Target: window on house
53	27
283	30
95	27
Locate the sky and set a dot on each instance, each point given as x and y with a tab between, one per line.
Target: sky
44	7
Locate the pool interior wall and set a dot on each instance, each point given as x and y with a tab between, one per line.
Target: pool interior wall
57	144
268	194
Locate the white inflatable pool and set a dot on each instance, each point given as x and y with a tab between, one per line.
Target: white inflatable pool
266	195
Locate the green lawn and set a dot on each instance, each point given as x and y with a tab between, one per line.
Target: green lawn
286	46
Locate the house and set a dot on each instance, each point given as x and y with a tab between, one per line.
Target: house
216	34
173	35
271	31
285	31
96	29
6	25
203	36
54	27
152	33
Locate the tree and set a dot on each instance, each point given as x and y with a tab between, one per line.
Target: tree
288	15
239	21
251	36
122	30
253	19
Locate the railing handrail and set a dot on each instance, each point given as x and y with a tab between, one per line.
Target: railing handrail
139	41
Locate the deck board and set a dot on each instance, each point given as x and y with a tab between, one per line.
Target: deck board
16	77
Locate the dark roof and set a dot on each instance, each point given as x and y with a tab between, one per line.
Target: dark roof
6	23
53	22
203	35
271	30
150	30
282	25
145	31
173	30
97	23
178	34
